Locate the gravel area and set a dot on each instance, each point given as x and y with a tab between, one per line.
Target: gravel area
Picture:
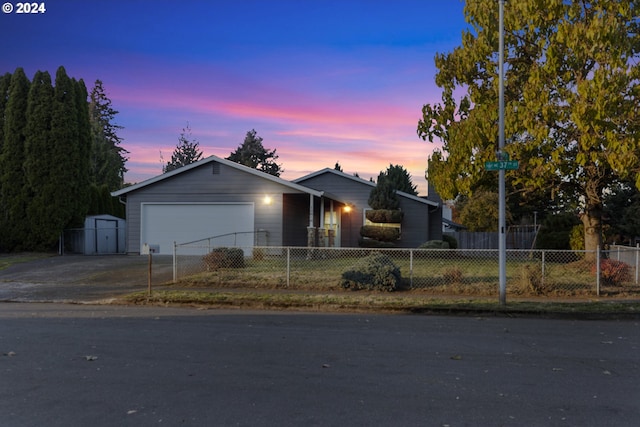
81	278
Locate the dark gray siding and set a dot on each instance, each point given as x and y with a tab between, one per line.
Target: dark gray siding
200	185
415	224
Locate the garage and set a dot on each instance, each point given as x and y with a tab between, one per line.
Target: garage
162	224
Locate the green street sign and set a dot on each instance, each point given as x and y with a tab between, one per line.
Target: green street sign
501	165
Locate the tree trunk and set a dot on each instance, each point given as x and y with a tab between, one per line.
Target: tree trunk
592	221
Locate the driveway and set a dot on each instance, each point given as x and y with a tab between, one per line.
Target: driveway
82	278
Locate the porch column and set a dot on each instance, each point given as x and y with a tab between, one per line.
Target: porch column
331	233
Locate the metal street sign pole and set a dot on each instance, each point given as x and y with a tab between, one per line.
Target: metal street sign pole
502	237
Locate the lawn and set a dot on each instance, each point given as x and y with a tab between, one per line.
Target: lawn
439	273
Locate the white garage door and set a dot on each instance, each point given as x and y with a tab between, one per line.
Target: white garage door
162	224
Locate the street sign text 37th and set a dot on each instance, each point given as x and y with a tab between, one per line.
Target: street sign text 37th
503	164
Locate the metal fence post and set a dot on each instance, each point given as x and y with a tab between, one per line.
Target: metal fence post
637	260
175	262
543	269
411	268
598	270
288	265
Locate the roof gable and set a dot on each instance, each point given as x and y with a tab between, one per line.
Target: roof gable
361	181
229	163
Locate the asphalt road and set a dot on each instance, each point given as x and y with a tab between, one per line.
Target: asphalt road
79	365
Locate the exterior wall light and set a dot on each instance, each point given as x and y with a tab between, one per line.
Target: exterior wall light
267	200
346	209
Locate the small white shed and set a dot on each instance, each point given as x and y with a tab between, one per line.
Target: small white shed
101	235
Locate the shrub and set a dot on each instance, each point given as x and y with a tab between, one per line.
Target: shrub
434	244
453	275
385	215
531	279
613	272
384	234
372	243
224	258
374	272
453	243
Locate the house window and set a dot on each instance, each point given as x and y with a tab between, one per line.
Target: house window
380	224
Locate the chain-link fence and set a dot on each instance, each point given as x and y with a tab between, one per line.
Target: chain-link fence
434	271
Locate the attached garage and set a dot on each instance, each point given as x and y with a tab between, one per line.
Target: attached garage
162	224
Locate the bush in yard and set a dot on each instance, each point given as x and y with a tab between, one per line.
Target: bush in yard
374	272
453	243
613	272
224	258
435	244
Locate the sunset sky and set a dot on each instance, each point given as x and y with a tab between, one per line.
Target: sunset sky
321	81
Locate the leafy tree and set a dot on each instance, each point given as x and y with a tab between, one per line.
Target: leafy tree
571	101
108	158
620	214
253	154
555	231
480	212
186	152
13	195
399	178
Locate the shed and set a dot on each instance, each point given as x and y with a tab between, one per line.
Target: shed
101	235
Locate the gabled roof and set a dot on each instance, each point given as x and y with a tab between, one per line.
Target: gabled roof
225	162
363	181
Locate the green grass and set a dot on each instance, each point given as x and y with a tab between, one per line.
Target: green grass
432	274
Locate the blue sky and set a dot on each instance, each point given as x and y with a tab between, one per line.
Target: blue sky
320	81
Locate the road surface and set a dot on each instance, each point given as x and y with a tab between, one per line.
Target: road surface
72	365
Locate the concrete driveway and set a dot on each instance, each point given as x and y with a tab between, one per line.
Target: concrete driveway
81	278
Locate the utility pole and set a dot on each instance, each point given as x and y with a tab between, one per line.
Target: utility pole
502	236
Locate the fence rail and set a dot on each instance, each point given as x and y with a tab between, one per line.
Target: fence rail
437	271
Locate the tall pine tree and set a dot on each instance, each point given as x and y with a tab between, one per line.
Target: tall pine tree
14	197
252	153
185	153
108	158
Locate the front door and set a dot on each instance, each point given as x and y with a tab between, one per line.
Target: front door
332	222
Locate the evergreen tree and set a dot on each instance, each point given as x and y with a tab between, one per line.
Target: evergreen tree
186	152
253	154
399	178
40	153
383	195
82	174
108	158
14	195
5	82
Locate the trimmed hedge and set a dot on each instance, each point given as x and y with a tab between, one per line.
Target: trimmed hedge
434	244
374	272
384	234
224	258
453	243
385	215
